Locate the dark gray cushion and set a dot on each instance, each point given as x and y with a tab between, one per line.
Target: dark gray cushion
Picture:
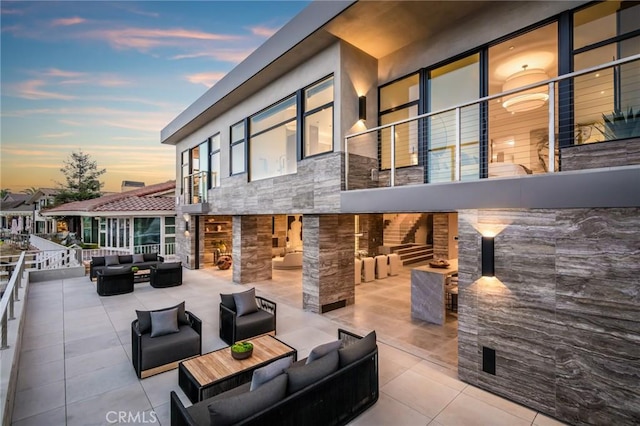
321	350
357	350
300	377
144	317
231	410
97	261
227	301
257	323
138	258
125	258
199	411
164	322
111	260
169	265
170	347
245	302
115	270
268	372
150	257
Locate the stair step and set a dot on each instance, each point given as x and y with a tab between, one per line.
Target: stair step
417	259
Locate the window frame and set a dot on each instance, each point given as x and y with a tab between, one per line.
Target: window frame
245	123
305	114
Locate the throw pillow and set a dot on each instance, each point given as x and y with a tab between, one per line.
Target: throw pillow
227	301
126	258
233	409
245	302
164	322
111	260
322	350
144	317
303	376
97	261
268	372
357	350
138	258
150	257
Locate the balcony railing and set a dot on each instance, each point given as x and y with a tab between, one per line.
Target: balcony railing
491	137
194	188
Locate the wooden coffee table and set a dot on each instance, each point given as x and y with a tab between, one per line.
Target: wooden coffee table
142	275
216	372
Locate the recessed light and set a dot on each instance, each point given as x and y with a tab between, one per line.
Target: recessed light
597	75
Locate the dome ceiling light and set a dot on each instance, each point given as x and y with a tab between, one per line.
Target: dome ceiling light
526	100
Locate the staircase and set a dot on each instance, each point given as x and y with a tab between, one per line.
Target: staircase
413	253
401	228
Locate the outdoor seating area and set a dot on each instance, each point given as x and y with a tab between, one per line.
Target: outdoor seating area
141	261
244	315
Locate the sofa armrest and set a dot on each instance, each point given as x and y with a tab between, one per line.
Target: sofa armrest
347	337
227	324
160	258
266	304
179	414
136	348
196	323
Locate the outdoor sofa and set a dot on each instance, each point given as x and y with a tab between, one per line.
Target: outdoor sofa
331	390
142	261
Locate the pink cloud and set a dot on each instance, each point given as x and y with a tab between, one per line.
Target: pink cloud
65	22
56	135
31	89
206	78
226	55
263	31
55	72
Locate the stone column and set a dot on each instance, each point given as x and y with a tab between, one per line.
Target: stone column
327	267
251	248
441	236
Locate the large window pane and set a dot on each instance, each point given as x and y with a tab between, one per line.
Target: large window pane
273	153
319	94
318	132
146	231
406	139
451	85
283	111
604	21
237	158
400	92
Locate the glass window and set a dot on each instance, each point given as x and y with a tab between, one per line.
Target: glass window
146	231
169	225
450	85
400	92
318	118
274	141
186	170
603	21
237	148
215	160
518	124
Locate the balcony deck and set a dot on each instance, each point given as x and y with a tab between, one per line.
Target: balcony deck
75	364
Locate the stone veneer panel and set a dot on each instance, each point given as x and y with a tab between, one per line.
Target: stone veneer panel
441	236
327	268
372	226
602	154
251	248
563	312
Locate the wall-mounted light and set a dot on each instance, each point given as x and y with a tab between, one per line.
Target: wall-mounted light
362	108
186	218
487	257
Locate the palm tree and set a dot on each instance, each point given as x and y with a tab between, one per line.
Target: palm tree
30	191
4	192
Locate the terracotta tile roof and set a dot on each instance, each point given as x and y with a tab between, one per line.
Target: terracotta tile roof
116	201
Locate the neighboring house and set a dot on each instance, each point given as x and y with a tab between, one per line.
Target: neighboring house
140	220
288	132
15	213
128	185
40	200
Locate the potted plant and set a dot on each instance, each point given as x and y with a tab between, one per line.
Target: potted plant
241	350
134	269
621	125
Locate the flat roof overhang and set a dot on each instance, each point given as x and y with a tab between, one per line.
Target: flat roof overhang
615	187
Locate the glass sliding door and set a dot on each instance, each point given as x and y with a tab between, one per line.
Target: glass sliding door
450	85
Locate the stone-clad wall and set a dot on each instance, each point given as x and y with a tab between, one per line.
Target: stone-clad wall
327	267
315	188
602	154
562	313
251	248
441	236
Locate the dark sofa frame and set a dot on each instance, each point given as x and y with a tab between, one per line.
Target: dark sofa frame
114	282
334	400
125	260
229	331
136	348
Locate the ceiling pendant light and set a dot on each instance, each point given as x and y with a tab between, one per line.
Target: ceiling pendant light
526	100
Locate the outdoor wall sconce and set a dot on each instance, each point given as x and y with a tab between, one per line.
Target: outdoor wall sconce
362	107
186	223
487	257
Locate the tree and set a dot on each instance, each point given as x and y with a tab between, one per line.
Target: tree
4	192
81	174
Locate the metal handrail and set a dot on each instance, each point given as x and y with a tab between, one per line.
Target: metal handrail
9	297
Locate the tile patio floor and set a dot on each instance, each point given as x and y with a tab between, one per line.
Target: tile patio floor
75	365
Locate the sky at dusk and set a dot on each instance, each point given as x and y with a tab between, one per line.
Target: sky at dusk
105	77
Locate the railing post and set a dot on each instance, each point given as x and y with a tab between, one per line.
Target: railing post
4	331
456	176
552	128
392	175
346	164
